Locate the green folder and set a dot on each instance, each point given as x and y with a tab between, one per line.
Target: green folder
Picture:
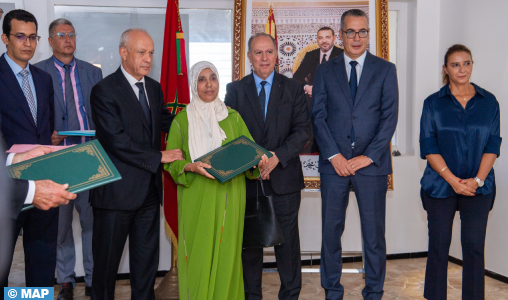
83	167
233	158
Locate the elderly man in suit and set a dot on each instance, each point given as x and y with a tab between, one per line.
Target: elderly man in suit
129	115
275	112
73	80
26	112
305	73
354	114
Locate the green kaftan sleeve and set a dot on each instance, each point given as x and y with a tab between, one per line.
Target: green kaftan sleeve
177	139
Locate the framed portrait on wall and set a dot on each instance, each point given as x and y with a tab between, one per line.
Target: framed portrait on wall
6	6
297	23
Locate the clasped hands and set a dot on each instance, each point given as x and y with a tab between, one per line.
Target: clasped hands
345	167
466	187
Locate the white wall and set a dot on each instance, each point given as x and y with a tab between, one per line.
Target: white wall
481	25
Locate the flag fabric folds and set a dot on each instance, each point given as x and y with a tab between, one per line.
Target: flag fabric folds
271	29
175	86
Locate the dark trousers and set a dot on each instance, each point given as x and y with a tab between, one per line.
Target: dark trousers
110	231
370	193
287	255
474	213
40	231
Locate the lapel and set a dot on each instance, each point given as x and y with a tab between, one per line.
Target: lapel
39	88
153	105
335	52
86	88
132	101
11	81
57	89
275	92
252	95
316	55
367	72
341	74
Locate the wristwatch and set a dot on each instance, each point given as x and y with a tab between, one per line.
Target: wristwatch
480	182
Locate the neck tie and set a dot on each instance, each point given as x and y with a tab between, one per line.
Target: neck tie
262	99
25	86
353	86
70	104
144	102
324	58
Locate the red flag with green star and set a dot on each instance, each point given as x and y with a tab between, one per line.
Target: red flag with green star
175	86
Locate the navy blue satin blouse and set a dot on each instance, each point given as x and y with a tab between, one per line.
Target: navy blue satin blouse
460	135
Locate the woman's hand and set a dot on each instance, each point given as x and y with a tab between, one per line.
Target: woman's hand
199	168
463	186
471	182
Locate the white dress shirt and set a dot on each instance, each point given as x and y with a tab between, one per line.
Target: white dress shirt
132	81
31	184
359	67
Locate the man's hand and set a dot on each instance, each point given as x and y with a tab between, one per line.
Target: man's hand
169	156
359	162
308	89
56	139
341	166
49	194
35	152
268	166
199	168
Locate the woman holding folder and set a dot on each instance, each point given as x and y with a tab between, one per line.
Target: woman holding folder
210	214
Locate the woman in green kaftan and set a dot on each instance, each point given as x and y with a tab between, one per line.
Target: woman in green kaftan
210	213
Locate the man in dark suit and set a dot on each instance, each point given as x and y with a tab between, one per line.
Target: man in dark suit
26	112
354	114
305	73
275	112
129	114
73	80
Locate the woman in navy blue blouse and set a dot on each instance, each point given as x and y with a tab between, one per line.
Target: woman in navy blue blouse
459	137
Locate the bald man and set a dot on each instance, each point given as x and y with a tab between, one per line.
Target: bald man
129	114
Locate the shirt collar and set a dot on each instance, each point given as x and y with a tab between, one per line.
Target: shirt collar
132	81
269	80
61	64
321	53
14	66
360	60
445	90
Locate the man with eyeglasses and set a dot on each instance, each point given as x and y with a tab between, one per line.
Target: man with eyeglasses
73	80
26	110
354	115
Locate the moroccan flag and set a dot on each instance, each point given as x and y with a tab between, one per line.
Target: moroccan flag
175	86
271	29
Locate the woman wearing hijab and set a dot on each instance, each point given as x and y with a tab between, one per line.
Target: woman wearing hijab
460	138
210	213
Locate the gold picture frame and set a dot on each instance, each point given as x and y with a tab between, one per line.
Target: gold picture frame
239	51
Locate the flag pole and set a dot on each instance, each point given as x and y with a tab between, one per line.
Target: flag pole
168	288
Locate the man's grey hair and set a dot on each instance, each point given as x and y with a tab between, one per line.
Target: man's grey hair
124	38
258	35
55	23
352	13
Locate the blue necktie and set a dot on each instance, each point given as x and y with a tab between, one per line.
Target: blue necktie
25	86
353	86
262	99
144	102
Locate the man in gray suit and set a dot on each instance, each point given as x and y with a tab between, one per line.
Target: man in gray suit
73	80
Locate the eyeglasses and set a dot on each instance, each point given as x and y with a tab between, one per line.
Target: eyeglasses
351	34
63	35
22	38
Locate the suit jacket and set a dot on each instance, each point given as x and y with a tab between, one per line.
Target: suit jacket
306	72
88	74
373	113
285	131
131	142
18	126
